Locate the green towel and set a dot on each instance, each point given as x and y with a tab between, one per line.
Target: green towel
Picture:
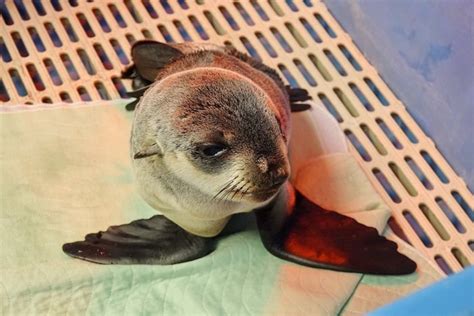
66	172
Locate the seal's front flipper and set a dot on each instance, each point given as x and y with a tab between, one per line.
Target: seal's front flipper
152	241
295	229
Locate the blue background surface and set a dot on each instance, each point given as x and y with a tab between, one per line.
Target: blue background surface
424	51
451	296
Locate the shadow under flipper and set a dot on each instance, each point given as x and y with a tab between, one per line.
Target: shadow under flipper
237	223
295	229
156	240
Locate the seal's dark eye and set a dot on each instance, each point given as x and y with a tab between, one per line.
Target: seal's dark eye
212	149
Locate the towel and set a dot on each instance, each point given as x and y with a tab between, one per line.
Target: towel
65	172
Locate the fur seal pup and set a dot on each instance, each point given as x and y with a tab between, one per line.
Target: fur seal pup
210	139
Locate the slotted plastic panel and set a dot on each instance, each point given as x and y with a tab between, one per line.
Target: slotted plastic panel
67	51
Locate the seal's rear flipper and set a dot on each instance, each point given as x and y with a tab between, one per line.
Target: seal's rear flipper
152	241
295	229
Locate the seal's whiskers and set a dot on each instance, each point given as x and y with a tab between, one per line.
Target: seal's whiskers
225	187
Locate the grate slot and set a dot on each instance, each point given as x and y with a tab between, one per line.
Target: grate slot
198	27
36	39
421	176
350	57
304	71
372	137
247	18
53	73
150	9
20	45
460	257
443	264
311	31
118	17
292	5
419	231
363	100
230	20
434	221
103	56
268	47
398	172
346	102
70	30
4	97
263	15
35	77
335	62
165	34
22	9
133	11
325	25
183	4
405	129
450	215
250	49
84	95
6	57
56	5
119	52
39	7
214	23
53	35
462	202
166	6
434	166
387	186
296	35
330	107
182	31
376	91
288	76
71	70
65	97
357	145
122	91
276	8
388	132
281	40
104	95
320	67
20	87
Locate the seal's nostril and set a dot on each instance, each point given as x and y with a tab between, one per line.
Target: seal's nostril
262	164
281	172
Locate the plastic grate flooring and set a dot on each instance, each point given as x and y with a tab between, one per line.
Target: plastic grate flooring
68	51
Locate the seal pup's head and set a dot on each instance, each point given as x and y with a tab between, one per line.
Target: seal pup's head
208	140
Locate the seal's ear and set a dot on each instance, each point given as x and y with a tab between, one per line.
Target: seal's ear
150	56
148	151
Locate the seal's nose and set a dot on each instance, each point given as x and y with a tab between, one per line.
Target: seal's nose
276	170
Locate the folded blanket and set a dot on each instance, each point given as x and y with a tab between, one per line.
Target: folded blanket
66	172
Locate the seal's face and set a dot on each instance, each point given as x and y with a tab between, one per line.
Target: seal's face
230	142
242	169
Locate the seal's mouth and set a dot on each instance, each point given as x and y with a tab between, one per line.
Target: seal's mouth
264	194
261	196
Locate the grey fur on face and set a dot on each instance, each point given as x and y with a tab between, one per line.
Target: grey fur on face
208	142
